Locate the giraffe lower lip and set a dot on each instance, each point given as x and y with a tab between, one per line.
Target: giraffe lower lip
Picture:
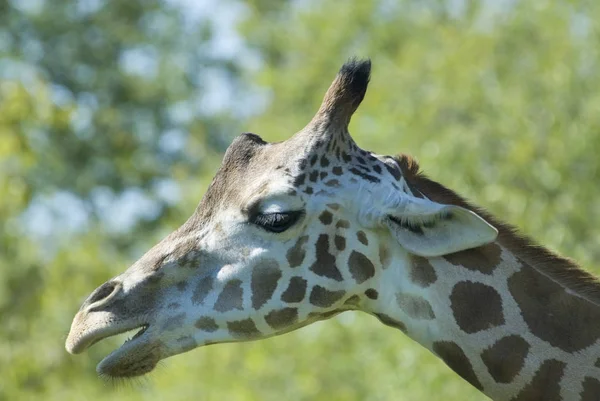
135	357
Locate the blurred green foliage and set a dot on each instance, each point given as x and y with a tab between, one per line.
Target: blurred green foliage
499	101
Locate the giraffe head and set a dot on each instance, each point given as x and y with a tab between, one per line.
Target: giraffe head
287	234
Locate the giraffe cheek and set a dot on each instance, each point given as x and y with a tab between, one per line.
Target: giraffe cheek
265	277
231	297
296	254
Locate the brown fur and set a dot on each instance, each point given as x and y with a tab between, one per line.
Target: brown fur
561	270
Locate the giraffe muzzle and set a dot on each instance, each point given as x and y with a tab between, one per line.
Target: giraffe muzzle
89	328
136	356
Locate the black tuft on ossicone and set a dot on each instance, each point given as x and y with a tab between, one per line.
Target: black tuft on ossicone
354	76
346	92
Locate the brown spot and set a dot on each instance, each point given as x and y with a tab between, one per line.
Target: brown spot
476	306
186	343
365	169
340	242
207	324
302	164
243	328
204	286
282	318
325	263
337	170
181	286
354	300
591	389
395	172
299	180
421	272
377	169
505	359
324	298
295	255
173	322
388	321
326	217
545	385
456	360
415	306
361	267
323	174
368	177
362	237
264	281
552	314
308	190
324	161
313	176
231	297
372	293
483	259
332	183
384	256
313	159
342	224
295	291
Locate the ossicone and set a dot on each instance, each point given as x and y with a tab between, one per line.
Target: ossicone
346	92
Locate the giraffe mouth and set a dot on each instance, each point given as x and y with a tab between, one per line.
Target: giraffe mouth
136	356
77	342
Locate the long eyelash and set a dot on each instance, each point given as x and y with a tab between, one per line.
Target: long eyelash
271	221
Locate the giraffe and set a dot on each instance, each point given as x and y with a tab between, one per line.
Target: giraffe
295	232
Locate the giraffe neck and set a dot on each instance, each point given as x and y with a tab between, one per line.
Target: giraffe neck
497	320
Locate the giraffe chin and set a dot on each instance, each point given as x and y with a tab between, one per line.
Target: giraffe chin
135	357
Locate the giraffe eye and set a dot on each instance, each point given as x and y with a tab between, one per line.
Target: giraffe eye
276	222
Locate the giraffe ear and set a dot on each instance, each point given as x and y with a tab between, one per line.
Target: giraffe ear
430	229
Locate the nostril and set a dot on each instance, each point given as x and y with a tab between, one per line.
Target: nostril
104	292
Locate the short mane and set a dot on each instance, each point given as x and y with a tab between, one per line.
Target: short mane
561	270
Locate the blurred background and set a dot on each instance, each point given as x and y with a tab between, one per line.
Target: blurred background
114	116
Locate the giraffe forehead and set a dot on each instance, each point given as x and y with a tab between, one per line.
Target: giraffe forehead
335	162
250	168
301	166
